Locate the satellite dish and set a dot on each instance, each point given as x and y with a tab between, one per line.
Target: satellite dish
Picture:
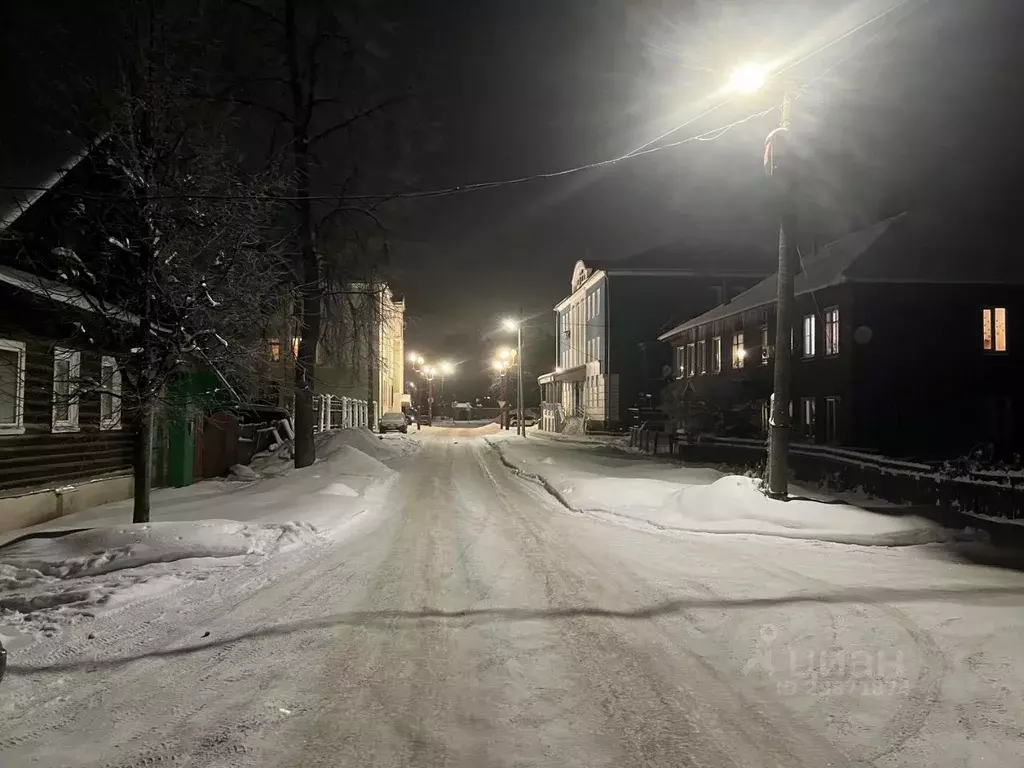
863	334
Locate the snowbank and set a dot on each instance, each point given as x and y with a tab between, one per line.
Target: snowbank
102	550
699	500
328	445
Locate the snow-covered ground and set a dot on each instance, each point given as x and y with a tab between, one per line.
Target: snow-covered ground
57	573
468	618
594	478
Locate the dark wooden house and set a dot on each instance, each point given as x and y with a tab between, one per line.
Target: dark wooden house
63	442
908	340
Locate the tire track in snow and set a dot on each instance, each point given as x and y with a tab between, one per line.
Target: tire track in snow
911	718
709	698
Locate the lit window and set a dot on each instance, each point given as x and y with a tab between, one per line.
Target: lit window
766	416
831	419
716	354
993	329
739	352
702	357
766	350
691	359
12	387
110	394
807	412
809	336
67	366
275	350
832	331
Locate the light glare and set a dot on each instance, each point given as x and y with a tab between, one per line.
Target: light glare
747	79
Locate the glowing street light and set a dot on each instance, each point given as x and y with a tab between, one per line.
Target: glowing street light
778	166
748	78
505	353
510	324
499	366
447	368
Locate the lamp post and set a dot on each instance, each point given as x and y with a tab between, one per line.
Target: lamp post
517	326
778	166
500	366
428	374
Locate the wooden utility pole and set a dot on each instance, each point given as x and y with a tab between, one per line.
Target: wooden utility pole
778	162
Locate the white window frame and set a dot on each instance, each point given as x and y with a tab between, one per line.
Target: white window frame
691	360
765	345
739	350
702	357
989	326
809	427
17	427
716	354
831	331
809	328
113	421
74	358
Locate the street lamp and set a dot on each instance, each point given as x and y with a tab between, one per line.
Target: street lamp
446	369
747	78
500	366
511	324
778	166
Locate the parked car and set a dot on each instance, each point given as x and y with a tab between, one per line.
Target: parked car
529	419
393	422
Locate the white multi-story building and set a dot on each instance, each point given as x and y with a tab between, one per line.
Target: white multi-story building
607	356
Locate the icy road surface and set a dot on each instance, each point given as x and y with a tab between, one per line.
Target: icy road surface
473	621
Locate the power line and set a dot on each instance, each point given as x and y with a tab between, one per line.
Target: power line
709	135
640	151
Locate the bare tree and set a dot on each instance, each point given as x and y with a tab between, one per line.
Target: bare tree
316	84
167	243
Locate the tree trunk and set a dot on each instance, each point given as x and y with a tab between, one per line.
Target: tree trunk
143	462
310	304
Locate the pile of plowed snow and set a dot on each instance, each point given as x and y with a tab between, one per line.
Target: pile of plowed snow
704	503
102	550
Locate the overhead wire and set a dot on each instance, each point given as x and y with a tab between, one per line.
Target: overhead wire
640	151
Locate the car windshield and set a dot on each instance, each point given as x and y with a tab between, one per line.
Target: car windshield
394	416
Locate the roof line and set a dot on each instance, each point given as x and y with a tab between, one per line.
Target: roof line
33	196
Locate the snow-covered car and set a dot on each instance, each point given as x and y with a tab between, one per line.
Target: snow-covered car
529	419
393	422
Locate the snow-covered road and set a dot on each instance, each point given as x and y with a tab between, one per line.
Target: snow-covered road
469	619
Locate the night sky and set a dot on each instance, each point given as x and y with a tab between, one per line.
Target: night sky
921	108
914	106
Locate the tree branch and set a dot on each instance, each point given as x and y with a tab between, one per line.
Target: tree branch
356	118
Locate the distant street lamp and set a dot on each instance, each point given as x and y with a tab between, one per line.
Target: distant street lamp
446	369
512	324
501	368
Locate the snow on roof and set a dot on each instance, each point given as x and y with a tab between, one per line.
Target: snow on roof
820	270
62	293
35	180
